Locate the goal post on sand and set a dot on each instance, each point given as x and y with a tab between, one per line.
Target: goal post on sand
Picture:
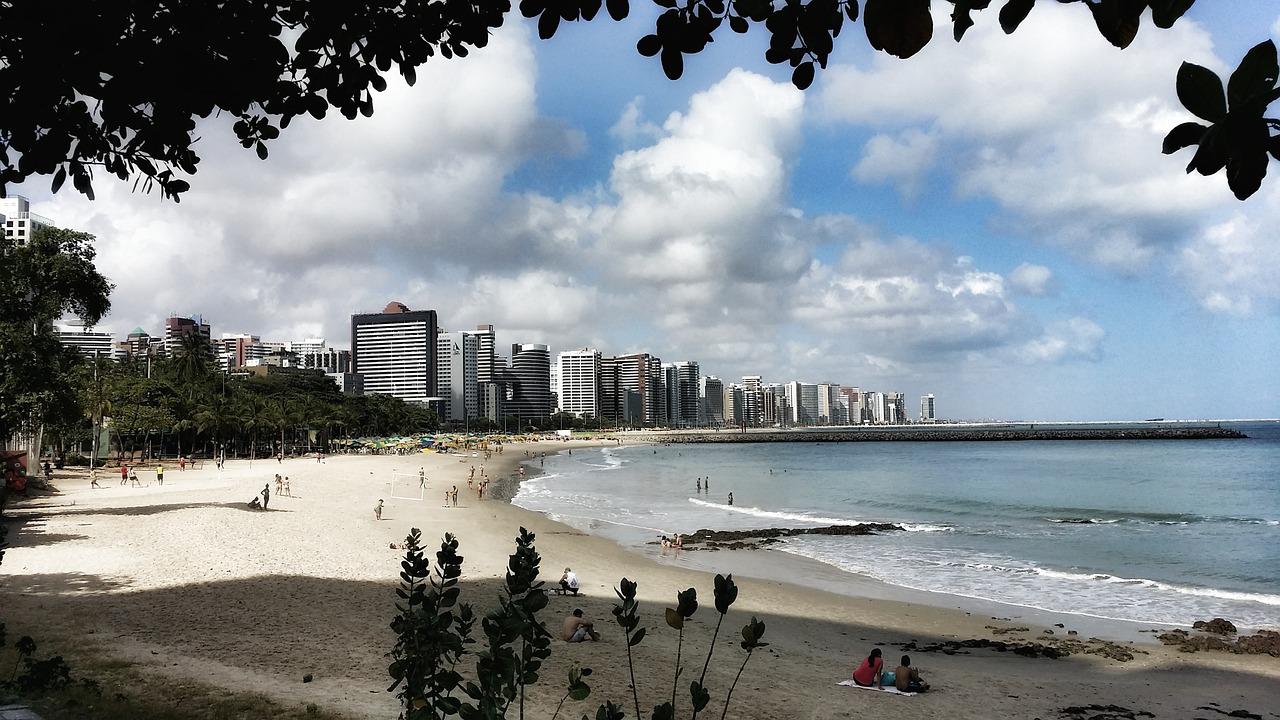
405	486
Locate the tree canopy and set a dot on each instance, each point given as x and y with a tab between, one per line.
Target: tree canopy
122	86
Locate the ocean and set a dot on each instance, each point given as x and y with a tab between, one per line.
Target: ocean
1165	531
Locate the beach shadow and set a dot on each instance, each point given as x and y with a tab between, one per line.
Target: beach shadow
58	584
134	510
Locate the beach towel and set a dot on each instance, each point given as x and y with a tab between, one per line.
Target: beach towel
889	689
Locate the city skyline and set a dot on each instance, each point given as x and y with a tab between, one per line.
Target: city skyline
883	240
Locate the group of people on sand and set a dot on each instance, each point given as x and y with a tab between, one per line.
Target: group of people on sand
451	496
675	542
871	673
256	504
282	485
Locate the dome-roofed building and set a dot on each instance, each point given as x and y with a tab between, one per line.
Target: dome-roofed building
395	307
395	352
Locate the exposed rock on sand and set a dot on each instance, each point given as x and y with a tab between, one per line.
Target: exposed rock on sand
755	539
1264	642
1218	626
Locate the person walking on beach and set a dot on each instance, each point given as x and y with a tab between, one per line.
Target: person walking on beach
287	491
160	474
266	495
455	496
730	498
124	474
93	478
279	483
377	510
422	479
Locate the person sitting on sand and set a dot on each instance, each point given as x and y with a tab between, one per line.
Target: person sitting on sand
569	582
254	504
907	678
870	672
578	629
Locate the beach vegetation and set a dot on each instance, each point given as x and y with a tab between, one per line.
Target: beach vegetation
129	106
435	641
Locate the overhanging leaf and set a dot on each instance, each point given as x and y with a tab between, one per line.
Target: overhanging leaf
899	27
1200	91
1255	78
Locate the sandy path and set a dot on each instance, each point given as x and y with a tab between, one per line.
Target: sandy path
185	579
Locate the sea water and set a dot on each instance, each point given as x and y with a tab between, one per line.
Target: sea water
1158	531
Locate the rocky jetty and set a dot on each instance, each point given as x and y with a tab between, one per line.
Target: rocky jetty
756	539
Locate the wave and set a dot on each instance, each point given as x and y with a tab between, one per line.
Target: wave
1262	598
1158	519
808	518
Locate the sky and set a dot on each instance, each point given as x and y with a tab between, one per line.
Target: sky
990	221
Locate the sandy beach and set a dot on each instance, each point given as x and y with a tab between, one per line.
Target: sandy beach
184	581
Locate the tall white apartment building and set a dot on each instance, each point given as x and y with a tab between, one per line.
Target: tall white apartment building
831	406
579	382
395	351
17	222
927	414
803	401
456	384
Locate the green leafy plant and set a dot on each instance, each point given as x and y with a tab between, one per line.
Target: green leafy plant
433	633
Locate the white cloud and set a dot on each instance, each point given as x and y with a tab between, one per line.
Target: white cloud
631	127
1031	279
1074	339
1232	267
1062	130
903	160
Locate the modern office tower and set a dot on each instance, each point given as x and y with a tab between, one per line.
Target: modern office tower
176	328
868	409
90	342
17	222
875	408
456	384
670	394
732	399
752	400
529	394
579	375
235	350
712	401
774	408
636	374
395	351
926	409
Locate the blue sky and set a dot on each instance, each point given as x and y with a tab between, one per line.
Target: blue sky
992	223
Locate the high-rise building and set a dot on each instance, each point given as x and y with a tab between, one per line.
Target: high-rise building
176	328
138	343
831	406
774	408
687	377
235	350
926	409
395	352
456	384
712	399
529	392
17	222
638	376
752	400
491	373
802	398
896	406
852	404
87	340
732	399
579	374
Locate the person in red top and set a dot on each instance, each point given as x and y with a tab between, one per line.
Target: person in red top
870	673
124	474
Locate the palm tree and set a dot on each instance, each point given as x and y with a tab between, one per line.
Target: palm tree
255	414
217	415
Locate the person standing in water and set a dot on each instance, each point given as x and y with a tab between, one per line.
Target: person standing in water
699	484
730	498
